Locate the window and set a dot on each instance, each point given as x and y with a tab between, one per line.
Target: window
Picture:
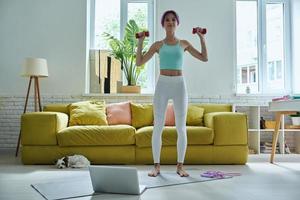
112	16
106	20
262	47
138	10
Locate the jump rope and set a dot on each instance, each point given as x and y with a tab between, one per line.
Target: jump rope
219	174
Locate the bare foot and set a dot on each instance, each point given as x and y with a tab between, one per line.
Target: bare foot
155	171
180	170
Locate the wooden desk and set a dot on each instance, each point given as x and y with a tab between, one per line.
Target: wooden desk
281	108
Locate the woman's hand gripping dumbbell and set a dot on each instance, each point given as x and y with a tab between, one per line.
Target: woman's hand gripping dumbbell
142	34
199	30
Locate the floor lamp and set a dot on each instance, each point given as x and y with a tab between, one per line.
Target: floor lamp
34	68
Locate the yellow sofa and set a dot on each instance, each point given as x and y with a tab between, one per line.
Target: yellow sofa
46	137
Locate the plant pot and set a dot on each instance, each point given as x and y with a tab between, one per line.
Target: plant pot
131	89
296	121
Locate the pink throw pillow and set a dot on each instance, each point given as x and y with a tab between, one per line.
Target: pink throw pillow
118	113
170	116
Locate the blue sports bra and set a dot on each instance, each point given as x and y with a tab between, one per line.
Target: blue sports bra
171	56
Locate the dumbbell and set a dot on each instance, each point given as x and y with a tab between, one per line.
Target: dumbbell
202	30
141	34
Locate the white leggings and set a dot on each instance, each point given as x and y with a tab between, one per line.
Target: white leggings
170	87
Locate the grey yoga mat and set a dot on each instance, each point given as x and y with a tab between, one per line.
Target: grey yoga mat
80	185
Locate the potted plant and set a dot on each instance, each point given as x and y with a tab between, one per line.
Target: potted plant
125	51
296	119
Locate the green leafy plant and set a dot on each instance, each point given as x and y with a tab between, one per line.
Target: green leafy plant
295	115
125	51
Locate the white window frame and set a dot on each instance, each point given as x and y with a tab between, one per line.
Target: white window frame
123	21
261	45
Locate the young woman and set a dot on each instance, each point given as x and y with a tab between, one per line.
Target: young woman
170	85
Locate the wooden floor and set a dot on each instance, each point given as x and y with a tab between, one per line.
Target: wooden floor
260	180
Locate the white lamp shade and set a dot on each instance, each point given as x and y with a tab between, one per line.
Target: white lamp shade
35	67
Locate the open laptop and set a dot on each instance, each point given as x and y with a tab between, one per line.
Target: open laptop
119	180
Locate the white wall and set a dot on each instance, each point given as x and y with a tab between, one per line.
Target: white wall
216	76
295	8
51	29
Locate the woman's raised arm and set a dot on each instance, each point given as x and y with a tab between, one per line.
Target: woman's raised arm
142	59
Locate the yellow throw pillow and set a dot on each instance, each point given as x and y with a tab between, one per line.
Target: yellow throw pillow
194	116
141	115
87	113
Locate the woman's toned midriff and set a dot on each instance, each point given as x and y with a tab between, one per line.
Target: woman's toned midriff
167	72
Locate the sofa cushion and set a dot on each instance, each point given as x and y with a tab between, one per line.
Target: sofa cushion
57	107
87	113
118	113
141	115
170	116
96	135
229	128
40	128
195	135
194	116
209	108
